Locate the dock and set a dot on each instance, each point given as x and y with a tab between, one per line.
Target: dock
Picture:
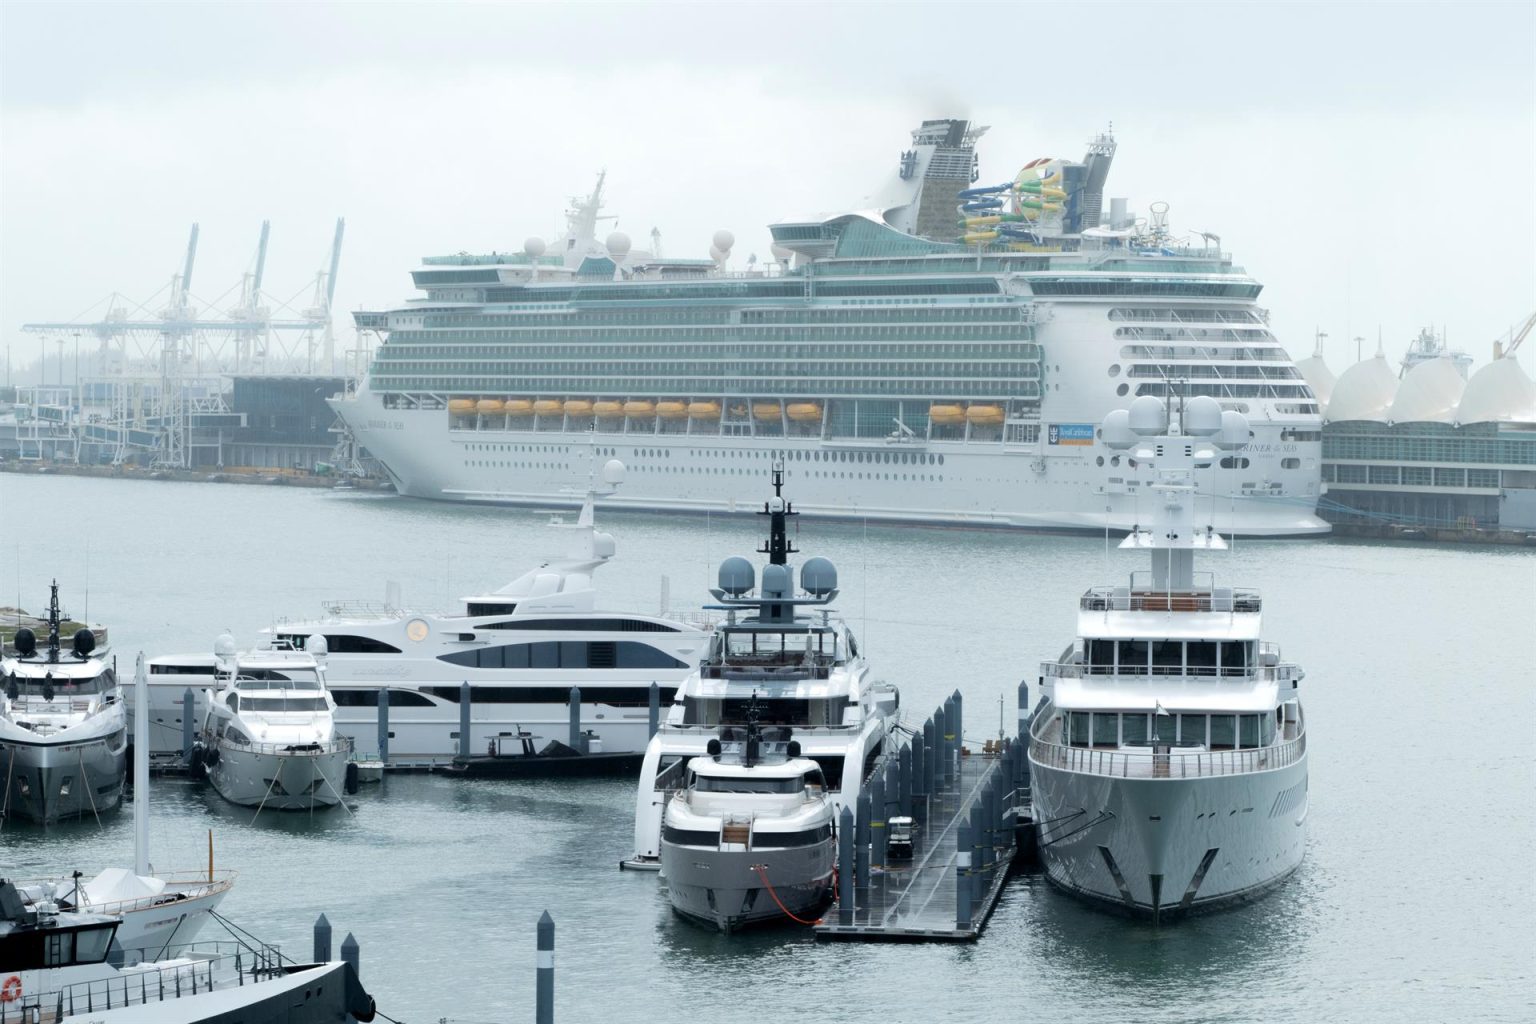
960	808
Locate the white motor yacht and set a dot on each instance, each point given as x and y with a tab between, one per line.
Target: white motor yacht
1169	752
782	653
521	649
269	735
157	910
750	837
63	729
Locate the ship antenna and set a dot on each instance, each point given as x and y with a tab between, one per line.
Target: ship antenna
777	547
53	623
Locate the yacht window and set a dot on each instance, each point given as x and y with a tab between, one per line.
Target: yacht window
1202	657
271	705
236	736
1133	657
370	699
342	643
1167	657
716	784
1234	658
815	781
1077	728
1248	730
1268	725
59	949
1106	730
233	700
91	944
1101	657
1223	732
1192	730
1133	730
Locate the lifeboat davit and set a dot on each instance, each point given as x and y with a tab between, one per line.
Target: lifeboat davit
767	410
944	415
671	410
802	412
985	415
704	410
608	408
461	406
639	409
517	407
548	407
491	406
578	407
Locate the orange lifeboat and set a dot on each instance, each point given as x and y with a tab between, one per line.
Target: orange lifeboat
767	410
946	415
578	407
704	410
802	412
491	406
671	410
985	415
548	407
461	406
608	408
639	409
518	406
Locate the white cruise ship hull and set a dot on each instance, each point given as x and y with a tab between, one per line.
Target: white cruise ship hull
73	776
1025	486
297	780
1164	848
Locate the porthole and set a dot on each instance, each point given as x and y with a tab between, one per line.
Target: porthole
1100	460
1114	369
1123	389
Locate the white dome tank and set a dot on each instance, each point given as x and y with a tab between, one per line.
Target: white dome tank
1500	392
1429	393
1364	392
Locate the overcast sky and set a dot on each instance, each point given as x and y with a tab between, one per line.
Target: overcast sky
1373	164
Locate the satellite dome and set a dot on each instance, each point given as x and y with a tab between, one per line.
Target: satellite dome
224	646
533	246
1318	377
780	253
717	254
778	581
613	472
84	642
818	576
1148	416
724	240
1117	432
317	646
603	544
736	576
1429	393
1498	393
1364	392
618	245
1234	430
1202	416
25	641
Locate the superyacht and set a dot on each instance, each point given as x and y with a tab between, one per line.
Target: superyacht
1169	752
939	352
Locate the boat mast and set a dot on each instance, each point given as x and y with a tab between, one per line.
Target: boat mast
53	624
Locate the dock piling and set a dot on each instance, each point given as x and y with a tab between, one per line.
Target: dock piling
845	884
877	821
904	780
932	774
188	705
351	954
959	724
861	834
654	715
978	853
464	710
384	725
962	878
942	734
574	739
322	940
544	993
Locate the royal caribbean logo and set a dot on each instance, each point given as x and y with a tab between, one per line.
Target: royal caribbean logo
1069	434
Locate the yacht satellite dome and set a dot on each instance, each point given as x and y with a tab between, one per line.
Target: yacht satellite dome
1234	430
818	576
618	245
25	642
792	748
533	246
775	504
1202	416
603	545
316	645
84	642
723	240
737	576
224	646
717	254
613	472
1148	417
712	748
1117	432
778	581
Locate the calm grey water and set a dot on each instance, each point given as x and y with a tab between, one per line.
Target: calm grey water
1416	901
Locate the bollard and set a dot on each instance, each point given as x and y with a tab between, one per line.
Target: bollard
654	715
322	940
574	739
351	954
464	709
962	878
845	868
544	994
941	734
904	780
384	725
861	834
877	820
959	726
188	705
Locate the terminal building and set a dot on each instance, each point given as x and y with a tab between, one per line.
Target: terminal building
1428	448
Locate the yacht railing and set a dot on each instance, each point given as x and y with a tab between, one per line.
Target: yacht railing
338	745
1142	597
1120	764
180	887
1278	673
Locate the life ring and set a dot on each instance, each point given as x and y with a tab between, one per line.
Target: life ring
11	990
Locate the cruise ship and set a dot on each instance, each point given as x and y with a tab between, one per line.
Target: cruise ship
940	352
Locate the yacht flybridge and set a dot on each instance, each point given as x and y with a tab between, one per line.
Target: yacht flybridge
783	655
1169	750
63	728
521	649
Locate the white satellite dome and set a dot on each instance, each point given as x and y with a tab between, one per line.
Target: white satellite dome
1429	393
1498	393
1363	392
724	240
534	246
618	245
1318	377
717	254
782	253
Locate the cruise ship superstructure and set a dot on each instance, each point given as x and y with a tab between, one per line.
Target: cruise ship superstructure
1169	751
942	352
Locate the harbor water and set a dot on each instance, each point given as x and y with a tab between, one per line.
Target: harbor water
1416	900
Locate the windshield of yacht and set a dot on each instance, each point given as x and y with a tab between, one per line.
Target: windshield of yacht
762	647
59	686
792	784
273	705
271	679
